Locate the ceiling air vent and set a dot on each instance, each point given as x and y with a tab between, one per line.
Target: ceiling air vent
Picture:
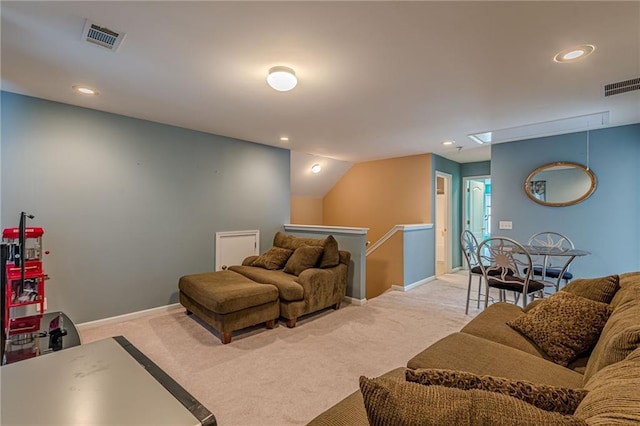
621	87
102	36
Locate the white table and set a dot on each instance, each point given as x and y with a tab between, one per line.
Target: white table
107	382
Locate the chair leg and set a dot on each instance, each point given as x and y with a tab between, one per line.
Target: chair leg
486	294
466	309
479	288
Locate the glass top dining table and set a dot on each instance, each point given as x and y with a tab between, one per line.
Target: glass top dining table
547	251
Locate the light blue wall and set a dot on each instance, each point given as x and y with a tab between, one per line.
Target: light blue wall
129	206
607	224
419	254
452	168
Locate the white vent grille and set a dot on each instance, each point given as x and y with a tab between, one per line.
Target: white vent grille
102	36
622	87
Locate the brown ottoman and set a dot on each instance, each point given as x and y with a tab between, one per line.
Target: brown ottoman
229	301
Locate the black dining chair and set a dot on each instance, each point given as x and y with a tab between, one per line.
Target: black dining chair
503	262
553	267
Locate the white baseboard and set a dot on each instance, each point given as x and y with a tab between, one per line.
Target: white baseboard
354	301
413	285
126	317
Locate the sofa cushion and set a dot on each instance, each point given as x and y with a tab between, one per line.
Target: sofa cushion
464	352
550	398
599	289
274	258
288	288
330	257
621	334
614	394
394	402
564	325
303	258
491	324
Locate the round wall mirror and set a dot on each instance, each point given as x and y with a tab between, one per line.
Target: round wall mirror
560	184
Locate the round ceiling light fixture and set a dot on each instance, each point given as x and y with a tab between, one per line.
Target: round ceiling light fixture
448	143
85	90
284	138
282	79
574	53
316	168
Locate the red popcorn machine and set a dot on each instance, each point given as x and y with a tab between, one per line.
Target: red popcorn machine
23	290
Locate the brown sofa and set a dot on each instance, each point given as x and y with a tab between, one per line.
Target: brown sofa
297	276
487	350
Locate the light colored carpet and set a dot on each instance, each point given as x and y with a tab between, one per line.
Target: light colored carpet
288	376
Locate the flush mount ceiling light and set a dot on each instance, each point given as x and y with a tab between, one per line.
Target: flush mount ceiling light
85	90
573	53
282	79
284	138
316	168
448	143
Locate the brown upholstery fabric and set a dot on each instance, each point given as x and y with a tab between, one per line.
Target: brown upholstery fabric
288	288
350	411
599	289
614	394
621	334
564	325
226	291
303	258
491	324
549	398
464	352
392	402
330	257
274	258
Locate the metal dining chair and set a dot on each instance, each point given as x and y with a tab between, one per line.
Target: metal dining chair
503	262
469	245
550	266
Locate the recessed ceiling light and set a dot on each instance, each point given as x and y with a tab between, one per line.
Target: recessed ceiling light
316	168
447	143
282	79
284	139
85	90
573	53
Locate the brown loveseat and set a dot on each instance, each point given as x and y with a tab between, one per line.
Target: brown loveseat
489	373
297	276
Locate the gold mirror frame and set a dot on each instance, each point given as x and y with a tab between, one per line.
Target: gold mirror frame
587	194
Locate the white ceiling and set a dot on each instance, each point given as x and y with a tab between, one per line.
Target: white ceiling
376	79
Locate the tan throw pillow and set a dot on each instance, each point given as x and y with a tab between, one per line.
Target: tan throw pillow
330	257
303	258
546	397
564	325
274	258
614	394
390	402
599	289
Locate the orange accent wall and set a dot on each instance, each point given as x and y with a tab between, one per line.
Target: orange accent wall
306	210
381	194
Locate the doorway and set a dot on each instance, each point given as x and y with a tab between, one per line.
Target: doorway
443	223
477	206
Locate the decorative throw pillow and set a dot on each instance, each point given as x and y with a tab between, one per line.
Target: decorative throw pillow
330	257
546	397
564	325
274	258
303	258
599	289
390	402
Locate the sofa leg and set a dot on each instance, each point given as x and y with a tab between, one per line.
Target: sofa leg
188	312
291	322
225	337
336	306
270	324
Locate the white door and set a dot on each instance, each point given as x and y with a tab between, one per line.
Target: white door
443	223
233	247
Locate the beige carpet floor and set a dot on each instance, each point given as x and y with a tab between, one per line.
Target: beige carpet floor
288	376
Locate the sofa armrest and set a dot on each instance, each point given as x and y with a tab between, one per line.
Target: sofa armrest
249	260
323	287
